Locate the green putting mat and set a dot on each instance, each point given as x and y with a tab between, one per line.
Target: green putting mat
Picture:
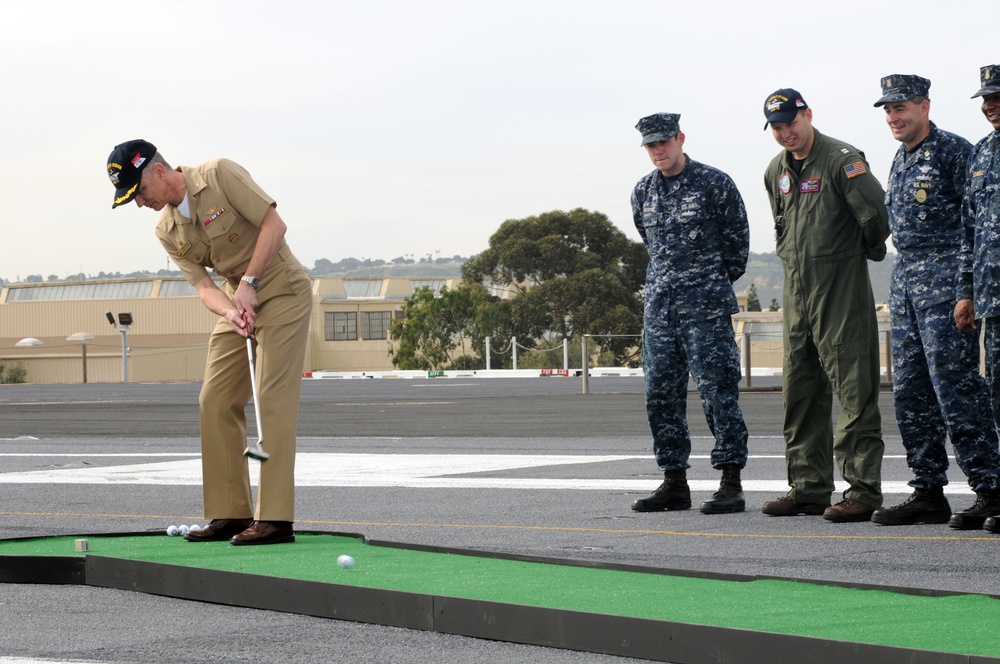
963	624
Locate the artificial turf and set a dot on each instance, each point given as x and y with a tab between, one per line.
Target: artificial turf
959	624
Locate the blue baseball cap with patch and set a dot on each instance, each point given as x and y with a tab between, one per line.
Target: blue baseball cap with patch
783	105
125	165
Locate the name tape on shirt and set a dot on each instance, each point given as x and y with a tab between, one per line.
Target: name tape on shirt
809	186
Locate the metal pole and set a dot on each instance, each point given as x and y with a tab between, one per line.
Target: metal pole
124	331
565	353
487	353
888	356
585	363
746	359
513	346
84	363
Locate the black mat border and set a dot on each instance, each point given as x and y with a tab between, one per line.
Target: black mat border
681	643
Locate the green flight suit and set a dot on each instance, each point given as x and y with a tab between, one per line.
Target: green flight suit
830	218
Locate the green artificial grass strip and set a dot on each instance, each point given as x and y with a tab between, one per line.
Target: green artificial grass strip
960	624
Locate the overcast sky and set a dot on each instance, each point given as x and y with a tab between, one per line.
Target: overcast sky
392	128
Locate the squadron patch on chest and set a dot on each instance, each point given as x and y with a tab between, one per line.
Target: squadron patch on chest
785	184
213	215
809	186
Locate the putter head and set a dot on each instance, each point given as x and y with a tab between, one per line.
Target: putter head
255	451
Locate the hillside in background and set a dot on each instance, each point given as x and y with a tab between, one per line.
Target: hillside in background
763	270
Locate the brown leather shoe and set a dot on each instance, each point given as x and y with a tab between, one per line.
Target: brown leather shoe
788	506
849	510
266	532
218	530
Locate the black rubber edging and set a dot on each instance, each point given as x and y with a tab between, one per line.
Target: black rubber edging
680	643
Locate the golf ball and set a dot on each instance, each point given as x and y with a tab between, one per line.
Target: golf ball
183	530
194	527
173	531
345	561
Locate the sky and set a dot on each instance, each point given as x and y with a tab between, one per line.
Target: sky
387	129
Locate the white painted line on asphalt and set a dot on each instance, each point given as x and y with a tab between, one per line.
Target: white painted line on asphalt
408	470
85	455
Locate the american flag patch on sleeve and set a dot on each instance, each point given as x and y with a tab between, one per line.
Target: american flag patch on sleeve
855	169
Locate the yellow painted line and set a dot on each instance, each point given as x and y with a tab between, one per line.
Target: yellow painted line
610	531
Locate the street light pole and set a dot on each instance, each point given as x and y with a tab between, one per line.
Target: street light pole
124	320
124	330
84	337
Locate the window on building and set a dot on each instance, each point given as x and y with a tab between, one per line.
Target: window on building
375	324
340	326
434	284
363	288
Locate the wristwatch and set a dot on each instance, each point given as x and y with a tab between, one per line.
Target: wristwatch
253	281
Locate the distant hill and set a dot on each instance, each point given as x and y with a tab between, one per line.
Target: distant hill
763	270
766	273
397	267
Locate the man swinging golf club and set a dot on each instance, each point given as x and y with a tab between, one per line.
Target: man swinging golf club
215	216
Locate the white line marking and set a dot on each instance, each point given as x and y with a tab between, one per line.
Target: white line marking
420	471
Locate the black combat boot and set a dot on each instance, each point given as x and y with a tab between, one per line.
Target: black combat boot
673	494
924	506
729	497
987	504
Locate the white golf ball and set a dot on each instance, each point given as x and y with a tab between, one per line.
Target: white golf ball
173	531
194	527
345	561
183	530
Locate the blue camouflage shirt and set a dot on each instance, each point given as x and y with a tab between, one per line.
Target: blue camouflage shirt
979	265
924	201
695	228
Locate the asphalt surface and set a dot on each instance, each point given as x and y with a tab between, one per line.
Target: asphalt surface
559	509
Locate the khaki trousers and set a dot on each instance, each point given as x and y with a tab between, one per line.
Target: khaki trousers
285	302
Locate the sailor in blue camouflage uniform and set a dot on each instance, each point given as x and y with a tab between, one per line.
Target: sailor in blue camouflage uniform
693	222
938	390
978	284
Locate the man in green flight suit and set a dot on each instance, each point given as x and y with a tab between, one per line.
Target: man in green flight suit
830	218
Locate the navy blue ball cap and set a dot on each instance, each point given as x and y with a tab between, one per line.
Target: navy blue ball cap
125	165
782	106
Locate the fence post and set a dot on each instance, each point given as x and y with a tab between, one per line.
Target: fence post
746	360
487	353
585	363
513	346
565	353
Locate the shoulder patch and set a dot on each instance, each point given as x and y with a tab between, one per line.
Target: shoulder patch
845	151
855	169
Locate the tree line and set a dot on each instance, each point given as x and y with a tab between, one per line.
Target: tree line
566	274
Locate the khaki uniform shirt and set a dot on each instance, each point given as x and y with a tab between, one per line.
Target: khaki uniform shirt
227	207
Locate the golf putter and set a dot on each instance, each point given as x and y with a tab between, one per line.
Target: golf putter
255	450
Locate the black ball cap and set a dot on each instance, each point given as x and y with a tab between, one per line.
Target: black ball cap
125	165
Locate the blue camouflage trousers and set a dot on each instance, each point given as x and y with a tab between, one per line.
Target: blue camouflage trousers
707	350
938	391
